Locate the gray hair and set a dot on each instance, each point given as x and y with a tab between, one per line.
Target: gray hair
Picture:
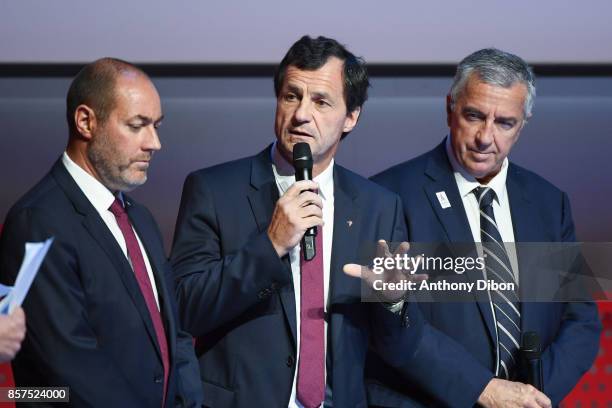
495	67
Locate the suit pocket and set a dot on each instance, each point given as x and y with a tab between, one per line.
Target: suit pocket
217	396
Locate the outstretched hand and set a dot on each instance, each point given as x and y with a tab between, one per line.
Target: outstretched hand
386	283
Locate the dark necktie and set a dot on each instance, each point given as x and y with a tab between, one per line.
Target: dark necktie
311	369
505	305
142	277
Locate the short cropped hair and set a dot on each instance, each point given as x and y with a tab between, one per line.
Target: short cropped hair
312	53
495	67
94	86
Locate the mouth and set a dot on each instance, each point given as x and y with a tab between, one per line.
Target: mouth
142	163
299	133
480	156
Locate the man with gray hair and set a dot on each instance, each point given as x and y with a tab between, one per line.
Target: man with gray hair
466	190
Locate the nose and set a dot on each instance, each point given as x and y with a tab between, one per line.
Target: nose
152	142
485	135
303	113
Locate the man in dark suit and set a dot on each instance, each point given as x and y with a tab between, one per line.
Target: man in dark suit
101	312
466	190
273	329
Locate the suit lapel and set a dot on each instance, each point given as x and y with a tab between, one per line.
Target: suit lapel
454	220
526	224
105	239
262	199
155	254
343	290
347	228
527	228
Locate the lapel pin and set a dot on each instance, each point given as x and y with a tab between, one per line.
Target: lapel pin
443	199
349	223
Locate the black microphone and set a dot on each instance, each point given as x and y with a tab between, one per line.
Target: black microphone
531	354
302	163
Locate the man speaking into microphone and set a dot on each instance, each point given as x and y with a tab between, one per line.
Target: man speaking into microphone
279	323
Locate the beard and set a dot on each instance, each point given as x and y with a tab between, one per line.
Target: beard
114	173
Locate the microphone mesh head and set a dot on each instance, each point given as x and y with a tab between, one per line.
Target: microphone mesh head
302	156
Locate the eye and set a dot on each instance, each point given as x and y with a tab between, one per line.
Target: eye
471	116
322	102
134	127
506	125
290	97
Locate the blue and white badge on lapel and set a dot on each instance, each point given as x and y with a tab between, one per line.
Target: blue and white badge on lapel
443	199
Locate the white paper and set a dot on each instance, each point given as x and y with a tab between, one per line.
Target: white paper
35	253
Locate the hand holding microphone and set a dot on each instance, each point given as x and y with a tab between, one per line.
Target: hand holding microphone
503	393
299	209
302	163
531	354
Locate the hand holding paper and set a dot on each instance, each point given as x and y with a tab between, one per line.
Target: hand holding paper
12	333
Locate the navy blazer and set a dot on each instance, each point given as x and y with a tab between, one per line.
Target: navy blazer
88	326
569	332
237	296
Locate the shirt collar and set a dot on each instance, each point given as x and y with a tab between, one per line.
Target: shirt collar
99	196
467	183
285	176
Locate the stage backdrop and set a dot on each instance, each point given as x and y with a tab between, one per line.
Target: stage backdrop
390	31
212	120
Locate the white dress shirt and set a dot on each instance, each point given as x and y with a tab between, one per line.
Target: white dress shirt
102	198
501	210
501	205
285	177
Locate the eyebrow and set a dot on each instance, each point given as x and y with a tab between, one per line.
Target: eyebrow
147	120
469	109
316	95
321	95
509	119
294	89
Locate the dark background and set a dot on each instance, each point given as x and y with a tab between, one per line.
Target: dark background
217	113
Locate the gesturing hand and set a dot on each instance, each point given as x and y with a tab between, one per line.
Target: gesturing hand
382	282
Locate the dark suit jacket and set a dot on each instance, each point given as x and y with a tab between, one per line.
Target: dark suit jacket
237	296
569	332
88	326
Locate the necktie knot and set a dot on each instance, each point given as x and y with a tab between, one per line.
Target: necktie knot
117	208
485	196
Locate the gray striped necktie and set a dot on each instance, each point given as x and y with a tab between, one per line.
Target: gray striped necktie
505	304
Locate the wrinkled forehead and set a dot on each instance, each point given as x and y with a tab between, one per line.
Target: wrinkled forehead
329	76
494	98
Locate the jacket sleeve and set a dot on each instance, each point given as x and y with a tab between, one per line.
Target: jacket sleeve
213	287
576	344
422	355
59	335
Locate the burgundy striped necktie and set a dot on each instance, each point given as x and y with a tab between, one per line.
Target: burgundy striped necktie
311	369
142	277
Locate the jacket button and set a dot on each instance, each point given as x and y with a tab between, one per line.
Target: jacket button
158	380
290	361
